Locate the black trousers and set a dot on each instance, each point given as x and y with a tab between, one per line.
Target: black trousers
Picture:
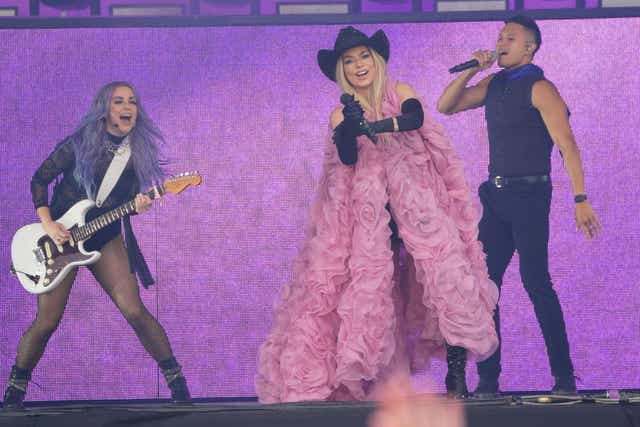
516	217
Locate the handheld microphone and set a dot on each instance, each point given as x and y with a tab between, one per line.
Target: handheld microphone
470	64
345	99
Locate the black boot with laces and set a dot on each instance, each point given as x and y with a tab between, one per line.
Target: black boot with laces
176	381
16	389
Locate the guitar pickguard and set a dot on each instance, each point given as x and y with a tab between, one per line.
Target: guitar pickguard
57	257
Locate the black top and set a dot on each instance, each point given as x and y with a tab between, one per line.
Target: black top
519	142
68	192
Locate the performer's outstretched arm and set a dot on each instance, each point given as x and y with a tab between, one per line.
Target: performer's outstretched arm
545	97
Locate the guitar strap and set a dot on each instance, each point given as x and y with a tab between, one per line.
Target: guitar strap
114	171
116	167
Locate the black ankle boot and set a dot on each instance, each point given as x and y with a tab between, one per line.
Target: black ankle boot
16	389
565	386
456	374
488	388
176	381
180	390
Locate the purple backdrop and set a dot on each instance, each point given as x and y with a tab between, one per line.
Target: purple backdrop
248	107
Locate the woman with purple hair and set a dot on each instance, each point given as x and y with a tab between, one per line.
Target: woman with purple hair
391	272
115	124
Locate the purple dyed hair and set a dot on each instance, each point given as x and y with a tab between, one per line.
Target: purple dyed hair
89	137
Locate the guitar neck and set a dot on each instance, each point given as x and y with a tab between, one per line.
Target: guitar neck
92	227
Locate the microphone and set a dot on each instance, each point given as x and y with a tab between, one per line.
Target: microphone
470	64
345	99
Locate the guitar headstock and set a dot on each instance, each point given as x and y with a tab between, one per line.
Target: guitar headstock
179	182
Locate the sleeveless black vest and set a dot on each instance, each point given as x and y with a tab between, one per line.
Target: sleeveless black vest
519	143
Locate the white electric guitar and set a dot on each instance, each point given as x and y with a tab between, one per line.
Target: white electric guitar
41	264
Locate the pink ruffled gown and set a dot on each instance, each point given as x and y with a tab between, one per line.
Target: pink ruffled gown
353	311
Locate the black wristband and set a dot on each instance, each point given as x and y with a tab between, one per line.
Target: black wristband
578	198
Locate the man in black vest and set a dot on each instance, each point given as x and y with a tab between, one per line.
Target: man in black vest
525	117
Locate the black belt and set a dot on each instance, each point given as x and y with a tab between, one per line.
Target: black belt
501	181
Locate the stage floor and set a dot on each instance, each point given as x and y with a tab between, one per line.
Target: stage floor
509	412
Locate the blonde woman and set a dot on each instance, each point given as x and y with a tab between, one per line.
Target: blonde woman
391	272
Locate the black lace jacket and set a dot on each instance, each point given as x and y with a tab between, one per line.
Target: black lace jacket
67	192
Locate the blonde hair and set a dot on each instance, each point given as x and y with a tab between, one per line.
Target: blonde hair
373	102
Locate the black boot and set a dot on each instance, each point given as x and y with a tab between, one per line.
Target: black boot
456	376
488	388
177	383
565	386
16	389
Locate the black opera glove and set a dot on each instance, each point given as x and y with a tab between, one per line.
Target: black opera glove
346	144
412	118
353	118
344	135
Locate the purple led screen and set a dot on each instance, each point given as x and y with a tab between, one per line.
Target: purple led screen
248	108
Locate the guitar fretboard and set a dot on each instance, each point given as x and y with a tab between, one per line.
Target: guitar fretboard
90	228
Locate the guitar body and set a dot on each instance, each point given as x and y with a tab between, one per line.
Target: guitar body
39	263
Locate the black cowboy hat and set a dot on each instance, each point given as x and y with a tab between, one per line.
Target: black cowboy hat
347	38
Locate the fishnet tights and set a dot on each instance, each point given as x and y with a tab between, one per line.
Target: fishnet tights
113	273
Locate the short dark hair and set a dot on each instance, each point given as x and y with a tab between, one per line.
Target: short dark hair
530	25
